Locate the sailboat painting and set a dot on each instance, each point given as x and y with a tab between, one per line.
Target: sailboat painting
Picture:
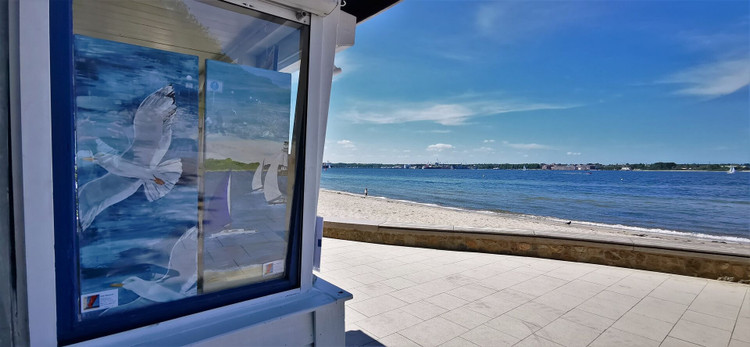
136	119
245	223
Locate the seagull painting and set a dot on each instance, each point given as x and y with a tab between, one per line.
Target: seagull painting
140	165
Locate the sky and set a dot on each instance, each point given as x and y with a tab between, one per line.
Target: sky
545	82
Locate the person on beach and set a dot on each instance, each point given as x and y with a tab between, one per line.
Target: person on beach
365	191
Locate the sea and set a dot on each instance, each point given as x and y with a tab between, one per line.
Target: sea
712	205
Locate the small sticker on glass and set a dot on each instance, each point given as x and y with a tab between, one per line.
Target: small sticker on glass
99	301
273	267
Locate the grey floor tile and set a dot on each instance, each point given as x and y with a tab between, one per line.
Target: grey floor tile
433	332
618	338
700	334
673	342
388	323
486	336
424	310
647	327
375	306
458	342
536	341
667	311
465	317
568	333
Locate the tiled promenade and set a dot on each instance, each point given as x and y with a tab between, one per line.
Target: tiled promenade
422	297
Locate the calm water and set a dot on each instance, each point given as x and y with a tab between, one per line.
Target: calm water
712	203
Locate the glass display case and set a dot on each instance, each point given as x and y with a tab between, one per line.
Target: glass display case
183	137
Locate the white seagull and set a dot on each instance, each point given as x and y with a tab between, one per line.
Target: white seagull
139	165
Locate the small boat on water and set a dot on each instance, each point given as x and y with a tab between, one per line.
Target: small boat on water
731	170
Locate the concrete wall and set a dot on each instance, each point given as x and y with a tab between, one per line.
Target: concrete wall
6	275
645	254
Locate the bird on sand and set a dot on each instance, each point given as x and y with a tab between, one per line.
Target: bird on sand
140	165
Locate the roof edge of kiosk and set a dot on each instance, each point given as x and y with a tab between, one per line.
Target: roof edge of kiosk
361	9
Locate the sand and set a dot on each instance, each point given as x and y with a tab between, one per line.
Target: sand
341	205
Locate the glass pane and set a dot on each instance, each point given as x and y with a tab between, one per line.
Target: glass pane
185	149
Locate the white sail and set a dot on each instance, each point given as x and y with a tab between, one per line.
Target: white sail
257	181
731	170
229	193
271	184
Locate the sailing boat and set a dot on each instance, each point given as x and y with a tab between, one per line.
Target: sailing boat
271	184
731	170
257	177
217	220
524	168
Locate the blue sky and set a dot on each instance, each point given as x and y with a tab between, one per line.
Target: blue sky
535	81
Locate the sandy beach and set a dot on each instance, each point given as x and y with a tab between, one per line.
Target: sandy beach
342	205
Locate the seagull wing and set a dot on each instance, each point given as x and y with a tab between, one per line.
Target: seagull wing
152	127
103	192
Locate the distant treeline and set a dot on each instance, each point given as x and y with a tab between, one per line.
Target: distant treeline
537	166
228	164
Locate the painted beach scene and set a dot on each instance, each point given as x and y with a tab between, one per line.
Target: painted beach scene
247	186
136	117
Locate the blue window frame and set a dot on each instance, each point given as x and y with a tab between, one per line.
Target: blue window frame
267	65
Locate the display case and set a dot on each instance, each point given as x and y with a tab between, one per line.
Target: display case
166	168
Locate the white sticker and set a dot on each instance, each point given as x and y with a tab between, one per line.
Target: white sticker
99	301
273	267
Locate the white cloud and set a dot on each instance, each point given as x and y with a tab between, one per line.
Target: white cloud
488	141
347	144
510	21
526	146
484	149
449	114
573	153
439	147
712	80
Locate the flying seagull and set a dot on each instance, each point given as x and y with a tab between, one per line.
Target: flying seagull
140	165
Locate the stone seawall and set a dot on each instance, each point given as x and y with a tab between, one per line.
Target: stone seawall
646	254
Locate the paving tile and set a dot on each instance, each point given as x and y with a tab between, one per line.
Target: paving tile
634	286
618	338
368	278
700	334
513	326
539	285
568	333
465	317
351	315
571	271
715	309
422	276
709	320
375	306
738	343
742	330
375	289
361	269
674	295
536	313
471	292
388	323
433	332
486	336
603	277
588	319
506	279
581	289
447	301
424	310
410	295
667	311
536	341
647	327
398	283
673	342
608	305
559	301
458	342
498	303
